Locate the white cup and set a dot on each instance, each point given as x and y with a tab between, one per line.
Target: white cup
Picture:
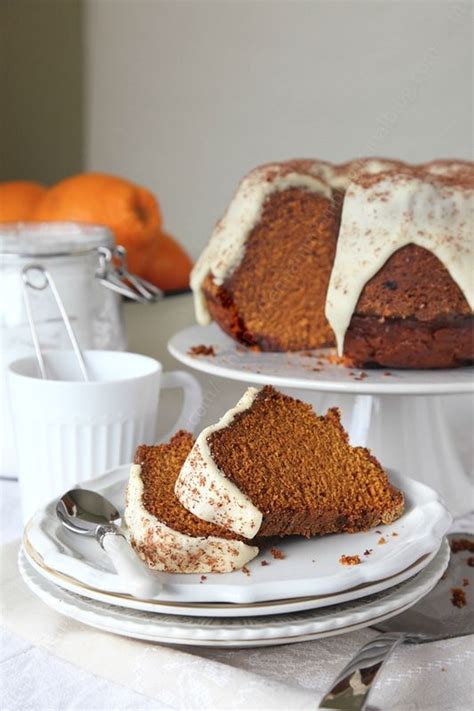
68	430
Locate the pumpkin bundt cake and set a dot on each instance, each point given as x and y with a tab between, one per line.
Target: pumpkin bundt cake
164	534
374	255
272	467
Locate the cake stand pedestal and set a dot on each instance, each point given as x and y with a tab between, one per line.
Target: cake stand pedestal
401	415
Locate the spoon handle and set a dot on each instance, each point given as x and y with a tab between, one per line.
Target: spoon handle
139	582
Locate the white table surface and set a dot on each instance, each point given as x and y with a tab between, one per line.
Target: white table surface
32	678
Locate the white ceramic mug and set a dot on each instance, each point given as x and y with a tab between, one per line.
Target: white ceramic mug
68	430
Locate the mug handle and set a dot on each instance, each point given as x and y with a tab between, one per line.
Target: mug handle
191	411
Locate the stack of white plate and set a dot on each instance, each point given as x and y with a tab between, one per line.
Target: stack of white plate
306	594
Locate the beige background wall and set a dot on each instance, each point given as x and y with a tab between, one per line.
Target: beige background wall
41	89
186	96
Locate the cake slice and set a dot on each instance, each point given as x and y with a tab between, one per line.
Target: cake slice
164	534
272	467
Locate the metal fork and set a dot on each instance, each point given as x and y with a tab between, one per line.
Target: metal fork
431	619
351	689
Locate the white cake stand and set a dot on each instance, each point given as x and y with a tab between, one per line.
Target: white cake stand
401	415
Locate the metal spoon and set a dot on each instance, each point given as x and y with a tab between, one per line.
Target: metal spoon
89	514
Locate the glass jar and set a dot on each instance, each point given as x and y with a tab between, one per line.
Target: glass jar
90	275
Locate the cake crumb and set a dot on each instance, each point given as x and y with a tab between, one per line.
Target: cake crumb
458	597
350	560
394	534
387	374
316	370
338	360
264	562
443	669
368	551
277	553
381	541
470	561
465	582
203	578
202	350
362	376
379	532
462	544
245	570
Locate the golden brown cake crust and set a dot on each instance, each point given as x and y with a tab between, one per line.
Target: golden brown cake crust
299	470
410	343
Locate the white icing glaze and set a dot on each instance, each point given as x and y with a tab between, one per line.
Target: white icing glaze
398	209
226	247
163	548
342	175
204	489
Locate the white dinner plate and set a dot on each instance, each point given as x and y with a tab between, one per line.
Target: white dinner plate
310	568
309	370
239	632
273	607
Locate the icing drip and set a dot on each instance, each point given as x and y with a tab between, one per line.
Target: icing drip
226	247
204	489
163	548
381	215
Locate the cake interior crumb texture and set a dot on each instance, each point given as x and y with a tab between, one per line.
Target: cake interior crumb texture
300	471
160	466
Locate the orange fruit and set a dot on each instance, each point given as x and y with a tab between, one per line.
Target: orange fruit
18	198
130	211
168	264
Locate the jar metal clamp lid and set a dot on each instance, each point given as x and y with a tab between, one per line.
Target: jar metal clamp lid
68	239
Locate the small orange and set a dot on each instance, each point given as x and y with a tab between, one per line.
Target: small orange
167	265
18	198
130	211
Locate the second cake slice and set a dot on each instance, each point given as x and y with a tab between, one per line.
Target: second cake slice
272	467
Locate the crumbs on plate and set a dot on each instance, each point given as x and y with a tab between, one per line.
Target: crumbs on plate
264	562
368	551
277	553
350	560
202	350
245	570
381	541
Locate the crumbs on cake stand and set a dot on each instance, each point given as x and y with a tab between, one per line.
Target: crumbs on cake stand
263	563
245	570
203	578
277	554
350	560
202	350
